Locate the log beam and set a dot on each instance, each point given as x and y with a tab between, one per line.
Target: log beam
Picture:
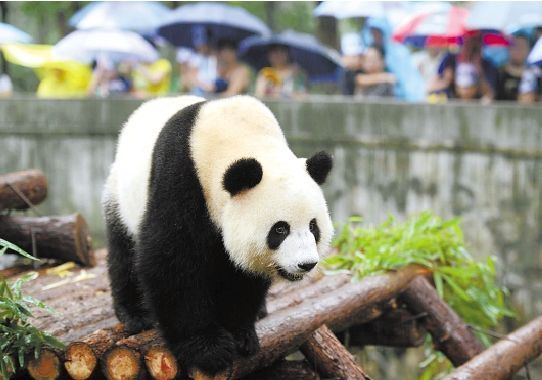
506	357
331	360
450	334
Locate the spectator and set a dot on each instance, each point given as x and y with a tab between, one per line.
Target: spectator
467	75
152	78
283	78
202	71
352	58
108	80
427	62
183	57
233	76
374	81
531	85
510	74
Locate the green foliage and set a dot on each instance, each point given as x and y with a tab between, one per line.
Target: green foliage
467	285
17	336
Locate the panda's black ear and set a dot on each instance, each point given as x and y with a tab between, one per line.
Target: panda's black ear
242	175
319	166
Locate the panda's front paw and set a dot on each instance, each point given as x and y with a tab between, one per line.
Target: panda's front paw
134	325
246	341
210	352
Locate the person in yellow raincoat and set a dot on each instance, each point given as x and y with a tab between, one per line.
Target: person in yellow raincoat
58	78
152	79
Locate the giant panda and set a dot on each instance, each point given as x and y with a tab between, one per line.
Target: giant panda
206	205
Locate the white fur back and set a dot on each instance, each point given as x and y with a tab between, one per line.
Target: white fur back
128	180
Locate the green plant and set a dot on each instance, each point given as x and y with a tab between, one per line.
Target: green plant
17	336
467	285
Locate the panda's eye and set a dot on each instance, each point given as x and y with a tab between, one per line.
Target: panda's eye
281	230
312	225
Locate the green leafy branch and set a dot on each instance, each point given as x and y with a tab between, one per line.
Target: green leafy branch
17	336
468	286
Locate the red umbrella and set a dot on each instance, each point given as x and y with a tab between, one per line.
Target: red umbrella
434	29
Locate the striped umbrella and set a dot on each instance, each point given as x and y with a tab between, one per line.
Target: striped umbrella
433	29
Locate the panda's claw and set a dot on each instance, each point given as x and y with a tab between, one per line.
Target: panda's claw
246	341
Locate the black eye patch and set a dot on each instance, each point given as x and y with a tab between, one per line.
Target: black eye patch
277	234
315	230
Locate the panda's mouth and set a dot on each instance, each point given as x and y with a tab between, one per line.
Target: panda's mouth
289	276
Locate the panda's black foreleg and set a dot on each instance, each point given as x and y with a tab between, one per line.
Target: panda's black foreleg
127	298
240	303
175	282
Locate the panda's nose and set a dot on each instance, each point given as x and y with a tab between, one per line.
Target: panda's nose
307	266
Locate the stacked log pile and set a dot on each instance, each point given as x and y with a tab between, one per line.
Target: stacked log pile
64	238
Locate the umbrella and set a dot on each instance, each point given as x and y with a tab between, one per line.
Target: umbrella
117	45
347	9
10	34
219	20
433	29
535	56
139	16
504	16
305	51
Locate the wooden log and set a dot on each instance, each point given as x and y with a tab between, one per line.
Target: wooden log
313	289
81	358
45	367
63	238
20	188
506	357
159	361
450	334
285	369
395	328
121	363
324	351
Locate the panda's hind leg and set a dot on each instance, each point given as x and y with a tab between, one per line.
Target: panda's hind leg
127	297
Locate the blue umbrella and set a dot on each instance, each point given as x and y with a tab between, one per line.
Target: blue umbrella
139	16
10	34
320	63
220	21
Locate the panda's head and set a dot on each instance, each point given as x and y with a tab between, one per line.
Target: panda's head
276	222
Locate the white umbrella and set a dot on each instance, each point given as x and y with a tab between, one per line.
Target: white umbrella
504	16
347	9
10	34
117	45
535	56
139	16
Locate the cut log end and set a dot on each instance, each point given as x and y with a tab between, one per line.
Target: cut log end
161	364
198	375
19	189
45	367
80	361
121	363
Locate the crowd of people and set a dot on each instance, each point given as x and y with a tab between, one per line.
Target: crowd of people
215	70
462	73
374	66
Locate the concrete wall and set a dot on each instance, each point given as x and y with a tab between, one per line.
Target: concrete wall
482	163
